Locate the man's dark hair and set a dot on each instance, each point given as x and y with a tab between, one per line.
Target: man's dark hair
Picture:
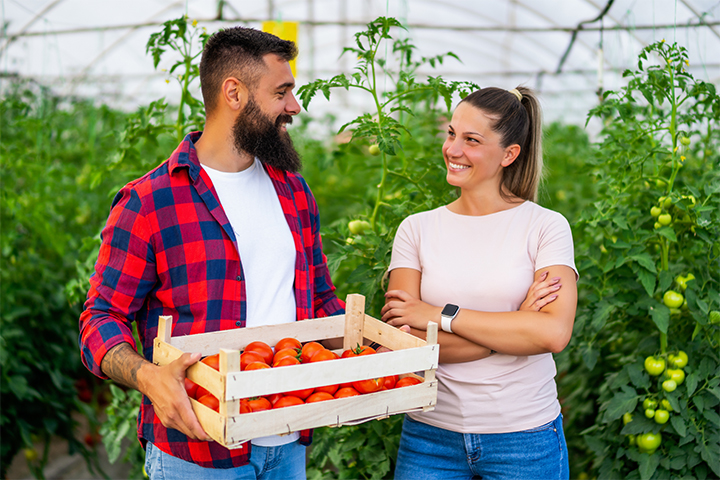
238	52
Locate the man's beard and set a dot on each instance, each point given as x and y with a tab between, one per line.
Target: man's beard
255	133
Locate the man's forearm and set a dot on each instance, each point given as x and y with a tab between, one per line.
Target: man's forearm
122	363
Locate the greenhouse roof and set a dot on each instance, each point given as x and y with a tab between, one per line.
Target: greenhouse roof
565	49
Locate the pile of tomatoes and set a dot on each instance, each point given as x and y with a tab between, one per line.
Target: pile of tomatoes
289	351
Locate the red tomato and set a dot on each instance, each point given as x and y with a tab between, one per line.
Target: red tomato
288	401
257	366
288	342
357	351
274	397
310	349
301	394
406	381
389	382
212	361
258	404
263	349
285	352
284	361
319	397
245	406
368	386
331	389
346	392
201	392
323	355
210	401
191	388
249	357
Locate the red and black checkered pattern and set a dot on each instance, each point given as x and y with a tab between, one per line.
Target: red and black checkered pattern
168	249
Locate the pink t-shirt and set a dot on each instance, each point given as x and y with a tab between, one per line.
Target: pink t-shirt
487	263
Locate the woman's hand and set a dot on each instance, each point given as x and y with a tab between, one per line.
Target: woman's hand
404	309
541	293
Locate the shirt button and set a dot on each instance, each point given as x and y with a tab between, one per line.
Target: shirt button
238	323
238	278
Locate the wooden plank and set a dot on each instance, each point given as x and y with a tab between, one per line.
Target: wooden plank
354	321
295	377
389	336
336	412
212	422
164	331
229	362
431	339
237	339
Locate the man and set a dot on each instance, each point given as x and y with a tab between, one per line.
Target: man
222	235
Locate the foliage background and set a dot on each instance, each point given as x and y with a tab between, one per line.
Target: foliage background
63	159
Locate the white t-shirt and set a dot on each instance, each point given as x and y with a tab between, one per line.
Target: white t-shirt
487	263
266	248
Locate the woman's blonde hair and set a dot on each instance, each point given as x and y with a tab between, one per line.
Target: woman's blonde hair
517	121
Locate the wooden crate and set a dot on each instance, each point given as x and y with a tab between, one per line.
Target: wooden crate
409	355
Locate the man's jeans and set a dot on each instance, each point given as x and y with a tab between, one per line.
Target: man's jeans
285	462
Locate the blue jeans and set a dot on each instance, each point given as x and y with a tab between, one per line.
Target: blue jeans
428	452
286	462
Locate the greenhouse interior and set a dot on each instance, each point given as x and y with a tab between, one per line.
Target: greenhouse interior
96	94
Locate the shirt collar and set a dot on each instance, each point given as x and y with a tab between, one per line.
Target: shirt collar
185	156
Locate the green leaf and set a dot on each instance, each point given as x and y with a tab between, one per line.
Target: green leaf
648	465
712	416
622	402
668	233
589	356
691	383
661	316
710	454
678	424
646	261
647	280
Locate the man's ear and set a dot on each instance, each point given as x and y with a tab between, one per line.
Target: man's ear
234	93
511	153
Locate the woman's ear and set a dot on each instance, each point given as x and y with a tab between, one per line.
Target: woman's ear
511	153
234	93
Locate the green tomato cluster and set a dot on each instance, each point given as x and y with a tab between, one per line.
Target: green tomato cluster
662	211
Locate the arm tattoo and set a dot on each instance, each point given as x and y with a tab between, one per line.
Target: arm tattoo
121	363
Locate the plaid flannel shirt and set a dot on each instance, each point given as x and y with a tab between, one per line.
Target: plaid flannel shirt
168	249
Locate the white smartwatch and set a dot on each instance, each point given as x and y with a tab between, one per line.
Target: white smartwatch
447	315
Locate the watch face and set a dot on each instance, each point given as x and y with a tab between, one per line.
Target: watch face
450	310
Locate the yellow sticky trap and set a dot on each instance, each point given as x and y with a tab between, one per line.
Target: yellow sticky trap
284	30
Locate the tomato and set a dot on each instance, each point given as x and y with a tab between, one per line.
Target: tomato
286	352
648	442
258	404
368	386
245	406
257	366
680	360
273	398
649	413
319	397
358	350
250	357
675	374
212	361
285	361
654	366
666	405
210	401
665	202
673	299
685	141
683	281
374	150
200	392
627	418
288	401
263	349
310	349
655	211
407	381
191	388
358	227
389	382
669	385
331	389
665	219
346	392
649	403
323	355
301	394
288	342
714	317
661	416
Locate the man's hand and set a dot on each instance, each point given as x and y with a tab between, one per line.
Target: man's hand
164	386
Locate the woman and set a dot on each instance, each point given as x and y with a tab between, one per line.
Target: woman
497	414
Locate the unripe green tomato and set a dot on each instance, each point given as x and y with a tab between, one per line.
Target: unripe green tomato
627	418
358	227
648	442
656	225
665	219
30	454
665	202
649	403
685	141
659	183
680	360
669	385
374	150
655	211
649	413
666	405
661	416
654	366
673	299
675	374
714	317
631	439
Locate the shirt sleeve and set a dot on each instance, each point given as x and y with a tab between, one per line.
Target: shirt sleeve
406	251
555	244
124	274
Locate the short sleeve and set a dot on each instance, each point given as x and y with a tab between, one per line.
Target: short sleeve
555	244
406	247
